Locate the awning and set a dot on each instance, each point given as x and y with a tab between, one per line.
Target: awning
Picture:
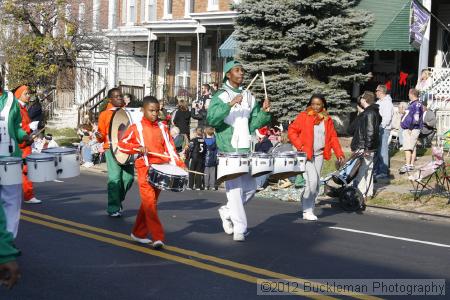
228	48
390	31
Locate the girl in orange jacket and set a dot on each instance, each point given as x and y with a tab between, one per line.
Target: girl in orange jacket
313	132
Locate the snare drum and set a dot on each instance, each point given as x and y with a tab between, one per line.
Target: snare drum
41	167
67	161
232	165
167	177
121	120
10	170
285	165
261	164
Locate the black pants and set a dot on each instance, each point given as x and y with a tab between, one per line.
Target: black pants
197	165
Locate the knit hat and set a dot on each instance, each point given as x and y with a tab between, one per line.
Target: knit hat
20	90
228	66
262	132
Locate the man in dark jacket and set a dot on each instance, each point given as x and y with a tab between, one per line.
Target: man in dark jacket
365	131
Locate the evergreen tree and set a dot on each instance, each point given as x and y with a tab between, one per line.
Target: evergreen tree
303	47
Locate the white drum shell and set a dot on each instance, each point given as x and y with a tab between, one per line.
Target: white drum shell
261	165
67	162
41	170
285	165
232	166
10	170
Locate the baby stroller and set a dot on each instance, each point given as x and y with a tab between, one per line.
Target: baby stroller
350	198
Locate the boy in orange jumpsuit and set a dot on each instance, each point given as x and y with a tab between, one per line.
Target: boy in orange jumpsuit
147	221
22	93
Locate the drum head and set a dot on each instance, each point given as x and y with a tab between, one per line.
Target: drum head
121	120
60	150
170	169
10	160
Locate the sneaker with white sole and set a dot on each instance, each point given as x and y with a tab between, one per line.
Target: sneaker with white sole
226	222
403	169
116	214
157	245
309	216
238	237
33	201
140	240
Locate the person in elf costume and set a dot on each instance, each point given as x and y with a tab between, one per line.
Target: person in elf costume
234	114
120	178
22	93
11	135
313	132
147	138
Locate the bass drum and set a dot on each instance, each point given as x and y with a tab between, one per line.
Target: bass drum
120	121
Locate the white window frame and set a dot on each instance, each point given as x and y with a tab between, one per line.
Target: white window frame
166	9
213	5
129	8
149	17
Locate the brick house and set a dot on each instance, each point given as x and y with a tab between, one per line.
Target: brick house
170	47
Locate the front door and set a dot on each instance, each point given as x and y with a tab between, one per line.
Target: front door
183	75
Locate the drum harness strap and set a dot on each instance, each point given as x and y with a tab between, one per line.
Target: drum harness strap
141	140
172	152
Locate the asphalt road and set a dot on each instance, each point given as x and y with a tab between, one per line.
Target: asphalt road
72	250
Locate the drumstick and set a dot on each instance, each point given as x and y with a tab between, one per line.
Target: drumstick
248	86
264	84
39	131
195	172
152	153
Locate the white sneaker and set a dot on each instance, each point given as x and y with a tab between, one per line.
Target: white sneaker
139	240
88	164
309	216
226	222
33	201
158	245
238	237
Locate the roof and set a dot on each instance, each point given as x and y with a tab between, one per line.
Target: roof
229	47
390	31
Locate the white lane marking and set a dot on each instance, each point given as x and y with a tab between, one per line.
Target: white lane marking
391	237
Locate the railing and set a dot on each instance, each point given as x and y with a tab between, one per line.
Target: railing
137	92
49	104
173	93
90	109
399	90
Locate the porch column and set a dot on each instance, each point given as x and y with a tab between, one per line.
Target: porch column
112	14
425	47
112	65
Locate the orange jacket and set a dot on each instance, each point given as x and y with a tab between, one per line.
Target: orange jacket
301	135
153	141
25	123
104	119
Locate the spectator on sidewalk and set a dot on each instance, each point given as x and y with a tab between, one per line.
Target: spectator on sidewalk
397	119
196	156
429	127
182	117
198	111
263	145
210	159
424	85
365	131
381	168
412	124
87	140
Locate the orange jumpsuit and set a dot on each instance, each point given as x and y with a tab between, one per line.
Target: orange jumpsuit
147	220
27	185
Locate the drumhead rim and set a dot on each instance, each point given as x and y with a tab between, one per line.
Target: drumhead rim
10	160
130	158
38	157
67	151
233	154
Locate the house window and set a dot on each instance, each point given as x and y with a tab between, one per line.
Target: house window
168	9
131	11
188	8
213	5
150	10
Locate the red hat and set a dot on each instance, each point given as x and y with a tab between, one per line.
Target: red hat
20	90
262	132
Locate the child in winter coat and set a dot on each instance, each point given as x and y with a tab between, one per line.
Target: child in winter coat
196	155
210	159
